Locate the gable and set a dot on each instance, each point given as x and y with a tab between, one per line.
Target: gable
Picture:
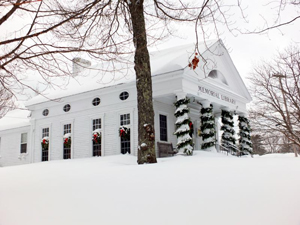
217	68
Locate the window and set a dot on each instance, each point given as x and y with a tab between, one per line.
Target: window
67	128
23	143
96	124
163	127
124	95
45	146
96	101
67	108
125	119
125	142
45	112
67	142
97	140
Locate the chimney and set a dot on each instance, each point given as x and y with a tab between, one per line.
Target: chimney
79	65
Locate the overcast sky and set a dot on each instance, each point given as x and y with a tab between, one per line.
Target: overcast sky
246	50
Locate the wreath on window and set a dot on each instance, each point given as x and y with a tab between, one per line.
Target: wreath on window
96	136
45	142
67	140
124	132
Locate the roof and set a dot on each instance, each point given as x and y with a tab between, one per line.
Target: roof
15	119
95	77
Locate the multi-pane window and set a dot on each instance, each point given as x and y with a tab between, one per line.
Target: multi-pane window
125	141
96	124
125	119
96	101
124	95
45	146
67	128
23	143
67	141
163	128
97	141
45	112
67	108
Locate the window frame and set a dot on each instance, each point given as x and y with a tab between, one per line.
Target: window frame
45	112
125	121
163	131
22	151
94	101
67	130
97	148
66	108
125	145
124	95
45	152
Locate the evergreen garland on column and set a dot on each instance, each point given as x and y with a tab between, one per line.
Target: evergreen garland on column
184	140
245	144
228	140
208	130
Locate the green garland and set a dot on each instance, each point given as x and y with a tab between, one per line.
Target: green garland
228	139
183	101
207	127
183	130
245	144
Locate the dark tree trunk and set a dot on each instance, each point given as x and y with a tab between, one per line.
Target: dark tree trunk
146	140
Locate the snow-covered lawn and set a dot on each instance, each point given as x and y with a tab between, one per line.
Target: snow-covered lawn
204	189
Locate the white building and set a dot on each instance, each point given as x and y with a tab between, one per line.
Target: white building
91	102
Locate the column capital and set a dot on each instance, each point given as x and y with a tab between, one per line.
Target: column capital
180	94
205	103
242	114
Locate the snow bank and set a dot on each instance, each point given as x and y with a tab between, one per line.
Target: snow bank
207	188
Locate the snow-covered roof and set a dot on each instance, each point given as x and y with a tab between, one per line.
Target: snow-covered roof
15	119
98	76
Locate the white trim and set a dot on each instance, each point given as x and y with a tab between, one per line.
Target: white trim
93	117
40	136
168	125
62	123
130	112
124	90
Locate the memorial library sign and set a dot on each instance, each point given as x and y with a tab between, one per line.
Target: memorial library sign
216	95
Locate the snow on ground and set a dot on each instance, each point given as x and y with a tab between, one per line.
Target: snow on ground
207	188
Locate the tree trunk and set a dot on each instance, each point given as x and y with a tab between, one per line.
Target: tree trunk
146	140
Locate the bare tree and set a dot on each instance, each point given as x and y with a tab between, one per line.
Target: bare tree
257	144
276	95
6	101
286	12
103	30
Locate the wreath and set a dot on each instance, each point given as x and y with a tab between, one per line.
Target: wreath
124	132
45	142
96	136
67	140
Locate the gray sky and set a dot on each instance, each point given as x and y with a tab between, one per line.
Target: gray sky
246	50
